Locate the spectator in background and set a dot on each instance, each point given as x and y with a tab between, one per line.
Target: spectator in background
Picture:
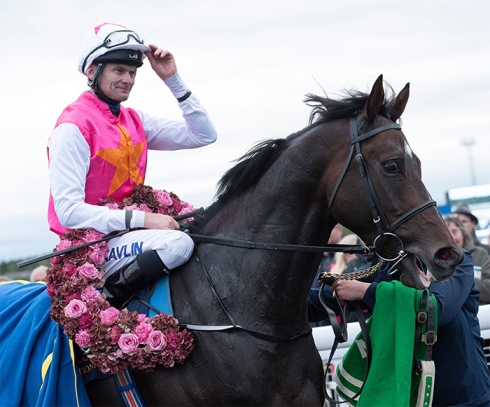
481	259
328	259
470	222
38	274
341	260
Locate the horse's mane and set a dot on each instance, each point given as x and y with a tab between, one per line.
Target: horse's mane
252	165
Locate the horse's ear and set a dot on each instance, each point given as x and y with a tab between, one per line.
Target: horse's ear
401	100
375	100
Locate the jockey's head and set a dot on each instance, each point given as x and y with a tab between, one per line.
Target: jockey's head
110	43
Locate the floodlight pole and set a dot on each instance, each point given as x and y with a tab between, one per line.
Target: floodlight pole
470	142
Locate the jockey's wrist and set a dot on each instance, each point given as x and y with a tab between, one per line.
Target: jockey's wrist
138	219
178	87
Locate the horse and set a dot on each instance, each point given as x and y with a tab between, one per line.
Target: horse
248	305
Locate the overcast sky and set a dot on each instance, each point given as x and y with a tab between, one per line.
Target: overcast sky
251	63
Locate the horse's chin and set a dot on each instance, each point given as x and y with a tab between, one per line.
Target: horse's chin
414	274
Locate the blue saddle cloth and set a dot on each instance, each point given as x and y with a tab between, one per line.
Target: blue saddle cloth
38	366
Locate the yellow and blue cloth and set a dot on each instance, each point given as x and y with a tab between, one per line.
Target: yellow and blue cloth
37	361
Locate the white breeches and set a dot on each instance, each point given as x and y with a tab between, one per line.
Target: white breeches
173	246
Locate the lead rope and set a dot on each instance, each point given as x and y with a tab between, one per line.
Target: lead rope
340	327
425	368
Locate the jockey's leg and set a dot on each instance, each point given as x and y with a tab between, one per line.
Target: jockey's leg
140	257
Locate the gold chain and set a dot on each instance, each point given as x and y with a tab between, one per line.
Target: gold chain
329	278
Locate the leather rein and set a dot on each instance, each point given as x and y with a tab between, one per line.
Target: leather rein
384	229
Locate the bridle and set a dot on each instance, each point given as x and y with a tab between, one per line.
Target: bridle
385	229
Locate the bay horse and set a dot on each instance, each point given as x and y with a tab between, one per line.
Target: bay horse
352	165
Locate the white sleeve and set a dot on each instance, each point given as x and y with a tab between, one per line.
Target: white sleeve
196	130
69	161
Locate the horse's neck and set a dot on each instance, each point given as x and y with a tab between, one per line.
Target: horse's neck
263	289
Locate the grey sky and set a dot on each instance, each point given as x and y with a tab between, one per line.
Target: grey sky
251	63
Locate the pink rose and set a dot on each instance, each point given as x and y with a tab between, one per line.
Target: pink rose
88	271
90	293
163	198
156	341
82	339
141	318
128	343
142	331
97	256
63	244
108	316
75	309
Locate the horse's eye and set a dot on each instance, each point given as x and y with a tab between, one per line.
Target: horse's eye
391	166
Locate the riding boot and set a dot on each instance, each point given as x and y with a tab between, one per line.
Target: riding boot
120	286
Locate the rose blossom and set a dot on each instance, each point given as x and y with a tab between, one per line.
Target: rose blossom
90	293
75	309
128	343
63	244
142	331
108	316
163	198
97	256
156	341
82	339
88	271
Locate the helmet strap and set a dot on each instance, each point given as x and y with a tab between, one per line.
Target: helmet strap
94	84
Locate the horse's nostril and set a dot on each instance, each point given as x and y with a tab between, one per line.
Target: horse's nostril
446	254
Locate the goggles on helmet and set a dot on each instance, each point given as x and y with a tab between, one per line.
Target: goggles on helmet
113	40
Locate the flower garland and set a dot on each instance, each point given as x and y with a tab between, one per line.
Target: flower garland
114	339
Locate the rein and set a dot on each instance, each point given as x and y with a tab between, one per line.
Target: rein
385	230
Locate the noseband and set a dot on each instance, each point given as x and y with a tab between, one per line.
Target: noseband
385	229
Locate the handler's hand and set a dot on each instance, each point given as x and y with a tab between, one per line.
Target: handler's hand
349	290
162	62
160	221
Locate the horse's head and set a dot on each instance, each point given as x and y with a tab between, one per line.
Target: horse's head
384	174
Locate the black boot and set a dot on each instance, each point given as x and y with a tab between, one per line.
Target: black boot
121	285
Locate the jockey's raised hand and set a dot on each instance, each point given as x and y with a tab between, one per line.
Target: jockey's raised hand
161	61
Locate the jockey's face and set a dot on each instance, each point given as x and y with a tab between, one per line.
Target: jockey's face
116	80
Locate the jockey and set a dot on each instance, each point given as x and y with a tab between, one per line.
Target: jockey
98	149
